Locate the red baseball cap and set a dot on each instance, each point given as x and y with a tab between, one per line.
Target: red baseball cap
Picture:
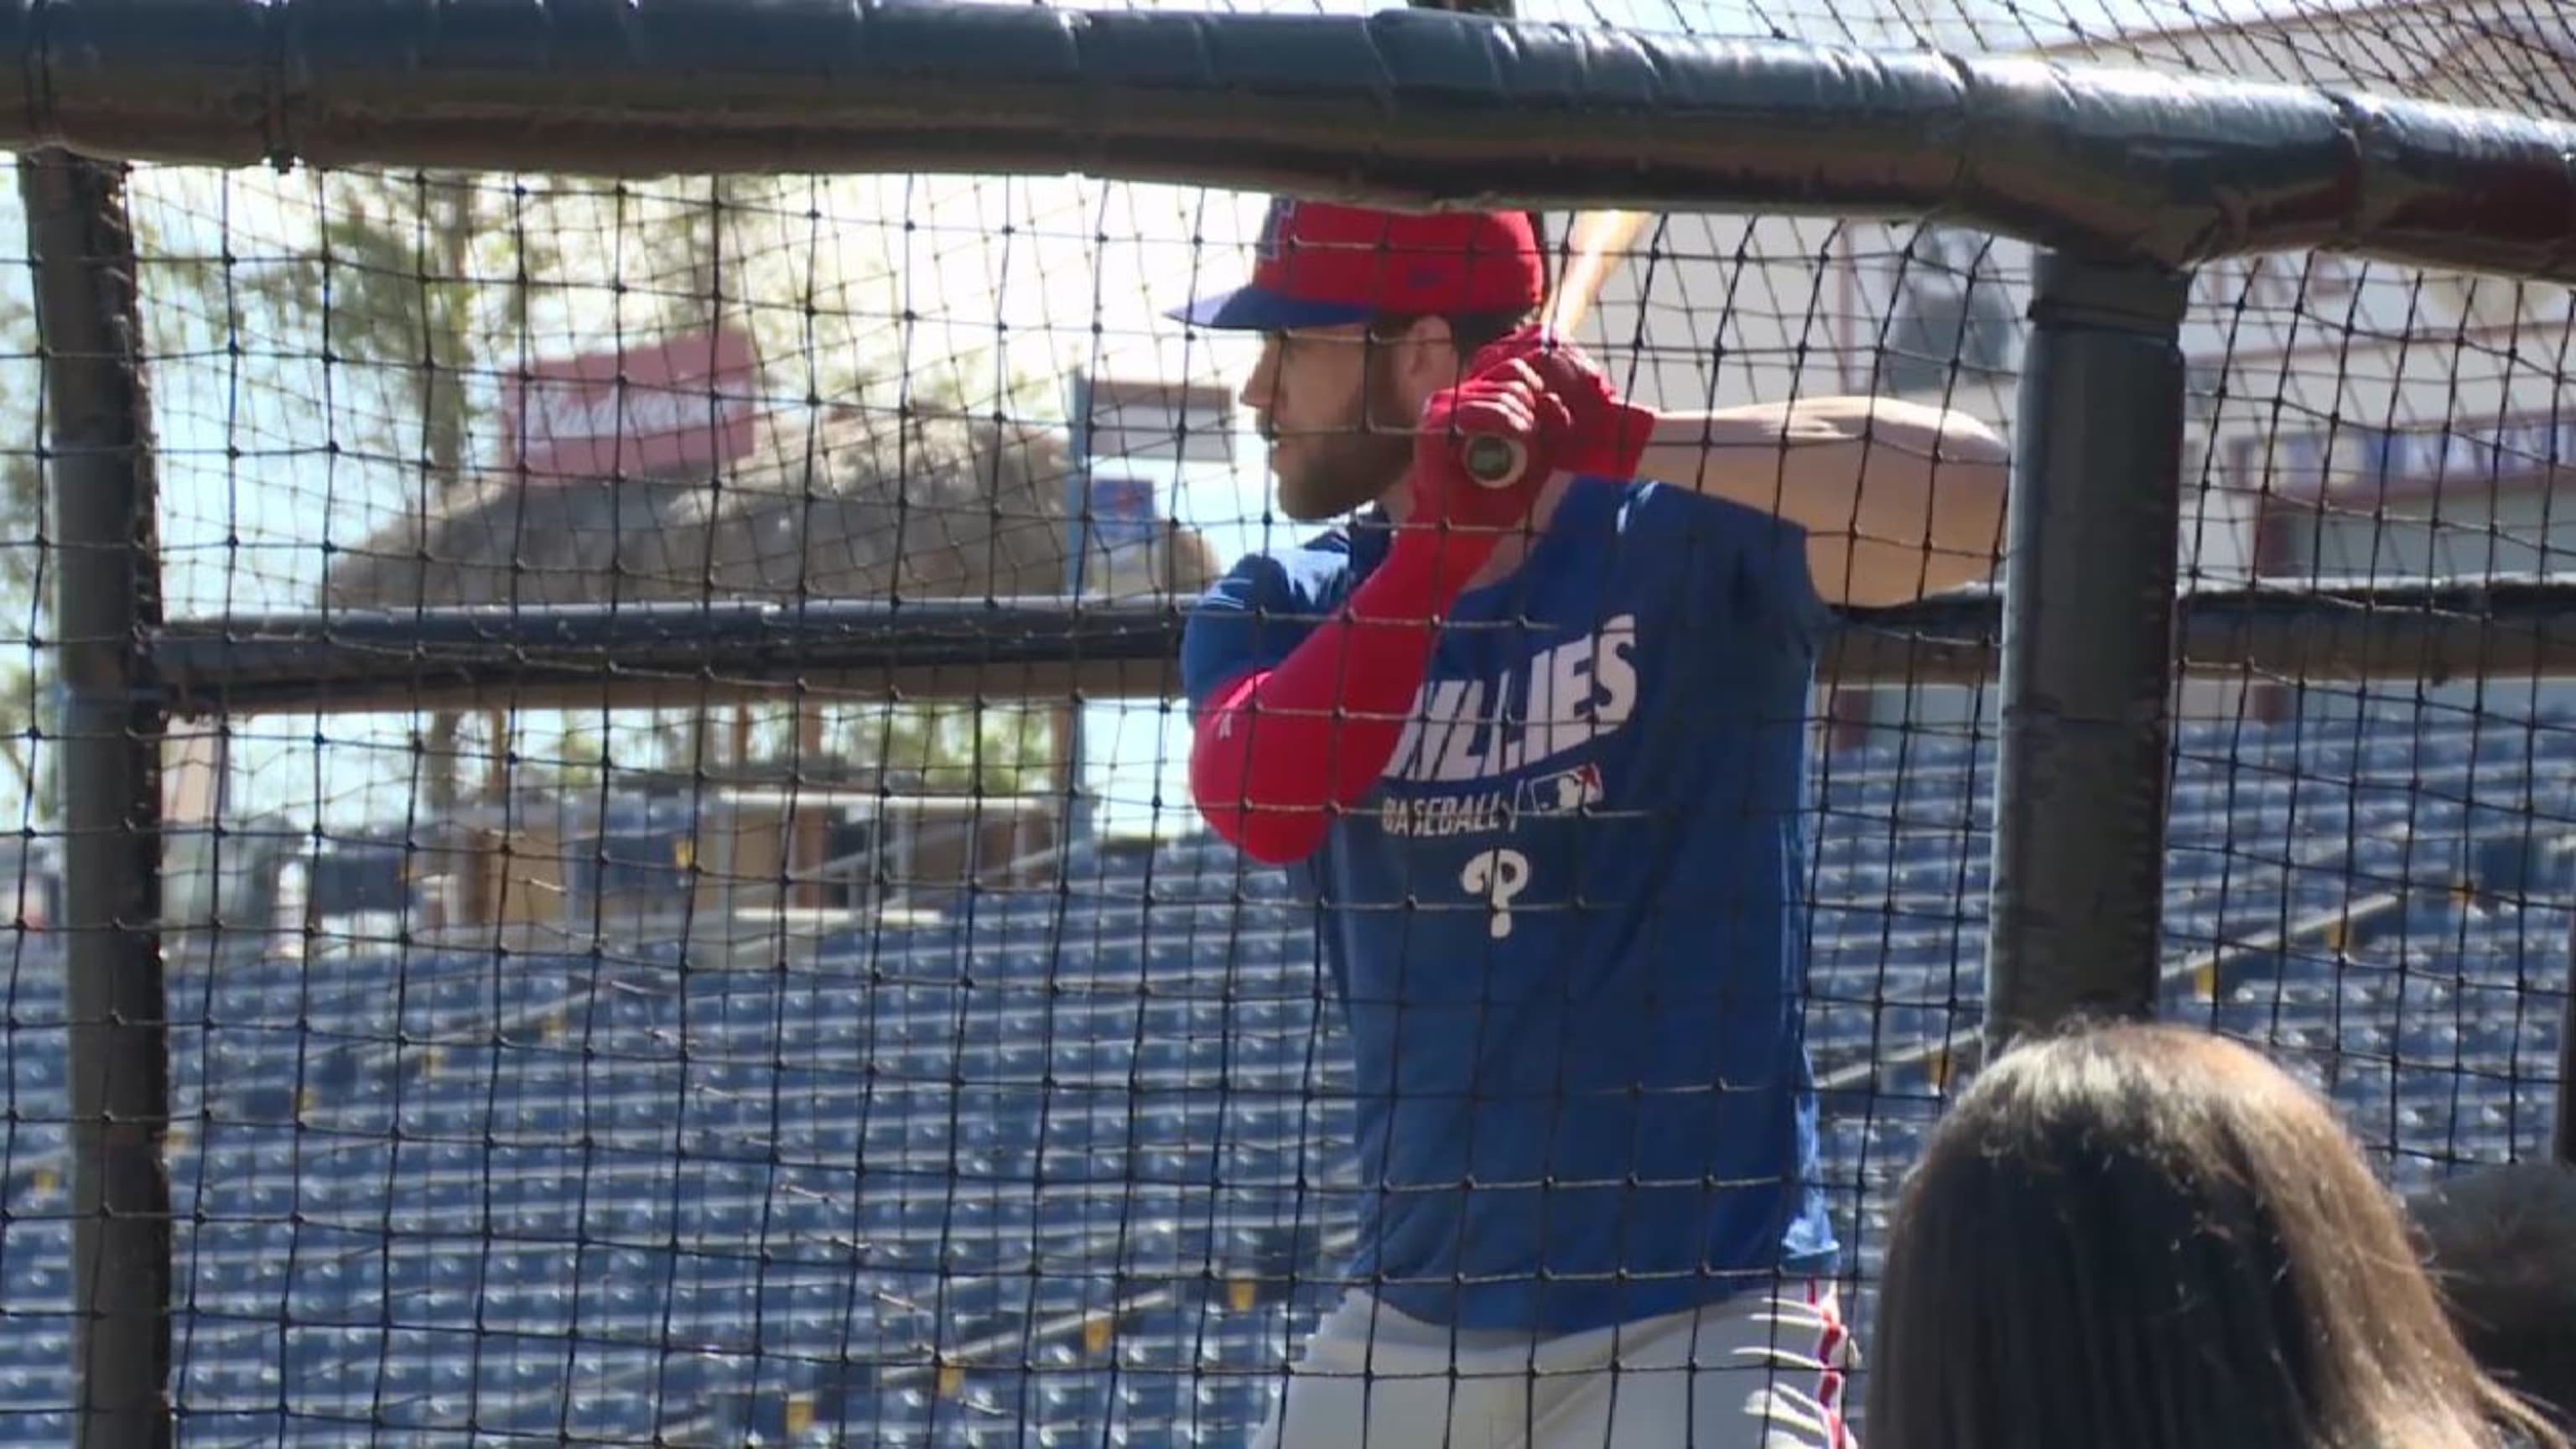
1319	265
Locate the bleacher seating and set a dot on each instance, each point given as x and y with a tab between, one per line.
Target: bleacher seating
1032	1172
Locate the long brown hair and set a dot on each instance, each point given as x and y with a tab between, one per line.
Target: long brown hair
2141	1237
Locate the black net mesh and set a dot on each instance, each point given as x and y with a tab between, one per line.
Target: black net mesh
903	1063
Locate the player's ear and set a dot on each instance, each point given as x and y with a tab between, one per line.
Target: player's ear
1427	357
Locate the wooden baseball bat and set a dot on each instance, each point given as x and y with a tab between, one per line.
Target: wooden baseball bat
1593	247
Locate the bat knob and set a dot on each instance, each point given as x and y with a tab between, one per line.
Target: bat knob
1491	461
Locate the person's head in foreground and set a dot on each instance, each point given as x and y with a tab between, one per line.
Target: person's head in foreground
2501	1244
1364	314
2146	1236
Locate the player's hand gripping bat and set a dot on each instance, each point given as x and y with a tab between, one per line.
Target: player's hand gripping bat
1593	247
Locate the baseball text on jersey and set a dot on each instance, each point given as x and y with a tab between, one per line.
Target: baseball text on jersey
1566	792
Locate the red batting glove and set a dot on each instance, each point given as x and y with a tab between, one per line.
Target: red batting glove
1456	521
1504	397
1603	434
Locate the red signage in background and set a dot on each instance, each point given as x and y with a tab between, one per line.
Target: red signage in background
673	408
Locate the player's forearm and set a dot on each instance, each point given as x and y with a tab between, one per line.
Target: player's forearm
1908	498
1283	750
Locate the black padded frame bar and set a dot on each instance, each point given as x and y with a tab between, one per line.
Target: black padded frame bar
1402	107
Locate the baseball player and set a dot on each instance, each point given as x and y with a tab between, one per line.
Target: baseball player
1539	753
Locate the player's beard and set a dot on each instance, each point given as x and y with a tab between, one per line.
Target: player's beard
1344	469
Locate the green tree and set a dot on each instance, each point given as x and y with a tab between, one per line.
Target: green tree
409	292
411	295
395	285
576	761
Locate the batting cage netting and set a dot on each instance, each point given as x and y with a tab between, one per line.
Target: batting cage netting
648	727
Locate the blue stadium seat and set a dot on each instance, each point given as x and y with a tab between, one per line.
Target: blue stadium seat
905	1137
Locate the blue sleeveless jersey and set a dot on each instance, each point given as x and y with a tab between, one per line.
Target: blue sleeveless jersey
1566	927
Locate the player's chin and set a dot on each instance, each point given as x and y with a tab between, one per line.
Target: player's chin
1319	484
1307	498
1299	506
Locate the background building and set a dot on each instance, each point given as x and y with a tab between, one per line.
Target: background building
2348	420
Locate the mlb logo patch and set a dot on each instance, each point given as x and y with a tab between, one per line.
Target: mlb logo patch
1562	793
1274	229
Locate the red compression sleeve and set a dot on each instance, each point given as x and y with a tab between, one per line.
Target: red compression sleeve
1284	748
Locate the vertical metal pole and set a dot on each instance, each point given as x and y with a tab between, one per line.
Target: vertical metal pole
107	584
2562	1133
2088	630
1068	742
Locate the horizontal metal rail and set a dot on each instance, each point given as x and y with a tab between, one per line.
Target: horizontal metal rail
685	654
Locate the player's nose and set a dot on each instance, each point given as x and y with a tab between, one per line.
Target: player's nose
1260	387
